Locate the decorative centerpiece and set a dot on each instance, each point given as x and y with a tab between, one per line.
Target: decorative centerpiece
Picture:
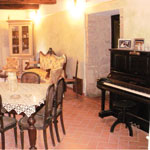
12	81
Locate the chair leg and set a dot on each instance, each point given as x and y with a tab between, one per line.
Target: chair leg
130	128
76	89
45	138
14	116
51	133
114	124
62	123
56	129
15	133
22	138
3	140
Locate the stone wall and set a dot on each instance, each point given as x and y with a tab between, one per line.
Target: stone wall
97	57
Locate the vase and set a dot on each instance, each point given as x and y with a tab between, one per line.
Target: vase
12	81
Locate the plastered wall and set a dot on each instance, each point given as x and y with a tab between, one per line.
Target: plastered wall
66	36
4	42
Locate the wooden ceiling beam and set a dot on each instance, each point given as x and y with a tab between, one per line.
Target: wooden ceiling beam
27	1
19	6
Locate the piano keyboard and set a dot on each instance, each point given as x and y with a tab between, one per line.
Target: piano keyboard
127	89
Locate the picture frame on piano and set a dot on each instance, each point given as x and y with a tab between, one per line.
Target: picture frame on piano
139	44
124	43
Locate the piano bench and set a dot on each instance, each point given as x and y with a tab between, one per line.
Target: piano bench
123	106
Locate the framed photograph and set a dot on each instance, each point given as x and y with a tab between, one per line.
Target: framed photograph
139	44
124	43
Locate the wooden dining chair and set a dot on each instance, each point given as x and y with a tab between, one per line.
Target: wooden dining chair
58	106
6	123
30	77
73	80
43	121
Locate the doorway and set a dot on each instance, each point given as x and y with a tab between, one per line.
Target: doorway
115	30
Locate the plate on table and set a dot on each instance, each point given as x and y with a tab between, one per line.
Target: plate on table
15	96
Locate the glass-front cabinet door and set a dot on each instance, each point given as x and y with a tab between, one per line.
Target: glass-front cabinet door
20	38
15	40
25	40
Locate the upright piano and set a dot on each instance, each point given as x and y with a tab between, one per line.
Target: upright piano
129	78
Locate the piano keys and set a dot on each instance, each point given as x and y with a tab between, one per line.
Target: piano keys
127	90
126	87
125	83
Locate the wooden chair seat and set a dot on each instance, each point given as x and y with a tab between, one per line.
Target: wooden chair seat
71	81
7	123
39	124
41	112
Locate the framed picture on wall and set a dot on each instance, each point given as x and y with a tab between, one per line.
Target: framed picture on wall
124	43
139	44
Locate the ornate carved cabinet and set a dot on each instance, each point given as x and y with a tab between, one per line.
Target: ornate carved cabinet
21	40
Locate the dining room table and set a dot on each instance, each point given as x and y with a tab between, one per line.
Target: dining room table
24	98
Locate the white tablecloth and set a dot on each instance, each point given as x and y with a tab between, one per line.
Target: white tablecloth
25	99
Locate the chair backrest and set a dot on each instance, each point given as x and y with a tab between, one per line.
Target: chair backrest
12	63
49	103
55	75
1	114
60	89
76	72
30	77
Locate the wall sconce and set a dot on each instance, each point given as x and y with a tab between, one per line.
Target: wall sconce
76	7
35	16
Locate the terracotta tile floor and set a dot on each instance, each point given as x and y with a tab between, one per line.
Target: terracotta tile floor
85	130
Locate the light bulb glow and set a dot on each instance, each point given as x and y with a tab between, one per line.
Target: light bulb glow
76	9
35	16
32	14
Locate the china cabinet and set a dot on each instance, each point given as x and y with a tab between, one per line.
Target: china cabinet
21	40
20	37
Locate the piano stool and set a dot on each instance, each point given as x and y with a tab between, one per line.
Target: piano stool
123	106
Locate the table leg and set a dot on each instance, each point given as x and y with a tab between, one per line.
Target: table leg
32	132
